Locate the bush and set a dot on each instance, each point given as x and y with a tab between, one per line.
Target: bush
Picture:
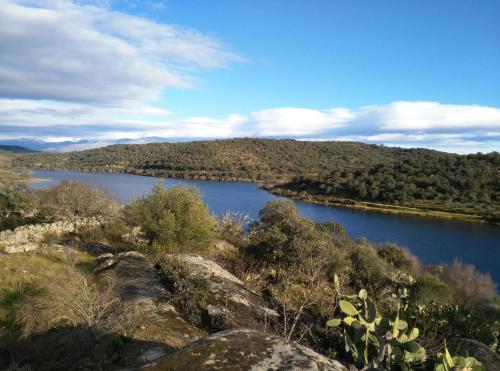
280	233
90	233
17	201
471	288
76	203
173	219
231	227
368	269
429	289
395	256
189	291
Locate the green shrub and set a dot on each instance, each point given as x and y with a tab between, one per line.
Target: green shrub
189	291
114	230
173	219
17	201
368	269
395	256
429	289
280	234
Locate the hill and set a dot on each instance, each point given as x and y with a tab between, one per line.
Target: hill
15	149
315	171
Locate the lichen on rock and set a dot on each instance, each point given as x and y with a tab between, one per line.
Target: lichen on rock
244	349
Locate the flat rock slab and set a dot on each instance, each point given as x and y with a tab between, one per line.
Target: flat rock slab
244	350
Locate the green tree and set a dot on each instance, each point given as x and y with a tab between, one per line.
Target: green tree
175	218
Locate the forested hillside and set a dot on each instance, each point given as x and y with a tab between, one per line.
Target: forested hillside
419	178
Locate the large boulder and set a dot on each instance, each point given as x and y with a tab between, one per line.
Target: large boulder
231	304
244	350
154	323
473	348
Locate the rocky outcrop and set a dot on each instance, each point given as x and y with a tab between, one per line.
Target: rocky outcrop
231	304
28	237
244	350
153	321
472	348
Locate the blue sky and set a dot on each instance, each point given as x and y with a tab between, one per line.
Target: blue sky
406	73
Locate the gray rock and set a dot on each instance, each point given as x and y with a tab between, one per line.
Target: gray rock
245	350
141	292
21	247
97	248
242	307
473	348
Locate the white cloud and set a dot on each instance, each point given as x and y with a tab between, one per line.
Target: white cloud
431	116
59	50
298	121
455	128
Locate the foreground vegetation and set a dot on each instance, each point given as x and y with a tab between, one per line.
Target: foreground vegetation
416	181
346	299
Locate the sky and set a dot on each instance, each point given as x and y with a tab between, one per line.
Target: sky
410	73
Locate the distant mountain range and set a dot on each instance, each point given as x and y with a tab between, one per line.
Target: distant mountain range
69	146
16	149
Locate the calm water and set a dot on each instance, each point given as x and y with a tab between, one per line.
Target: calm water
432	240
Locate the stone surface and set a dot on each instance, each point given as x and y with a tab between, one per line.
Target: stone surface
244	350
33	234
160	329
21	247
225	247
473	348
231	304
97	248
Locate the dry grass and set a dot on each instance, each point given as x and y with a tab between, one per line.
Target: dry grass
74	301
24	276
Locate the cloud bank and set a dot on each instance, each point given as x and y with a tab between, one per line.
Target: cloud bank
59	50
453	128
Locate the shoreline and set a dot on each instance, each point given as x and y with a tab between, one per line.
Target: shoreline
385	208
268	187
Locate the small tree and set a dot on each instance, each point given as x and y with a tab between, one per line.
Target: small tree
175	218
76	203
15	199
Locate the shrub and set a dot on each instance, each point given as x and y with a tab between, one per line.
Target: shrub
280	233
76	202
189	291
429	289
231	227
17	201
471	288
15	198
90	233
114	231
395	256
368	269
175	219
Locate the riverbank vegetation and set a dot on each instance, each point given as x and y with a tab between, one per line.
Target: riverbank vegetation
416	181
305	272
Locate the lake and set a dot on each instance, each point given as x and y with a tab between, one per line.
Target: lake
432	240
